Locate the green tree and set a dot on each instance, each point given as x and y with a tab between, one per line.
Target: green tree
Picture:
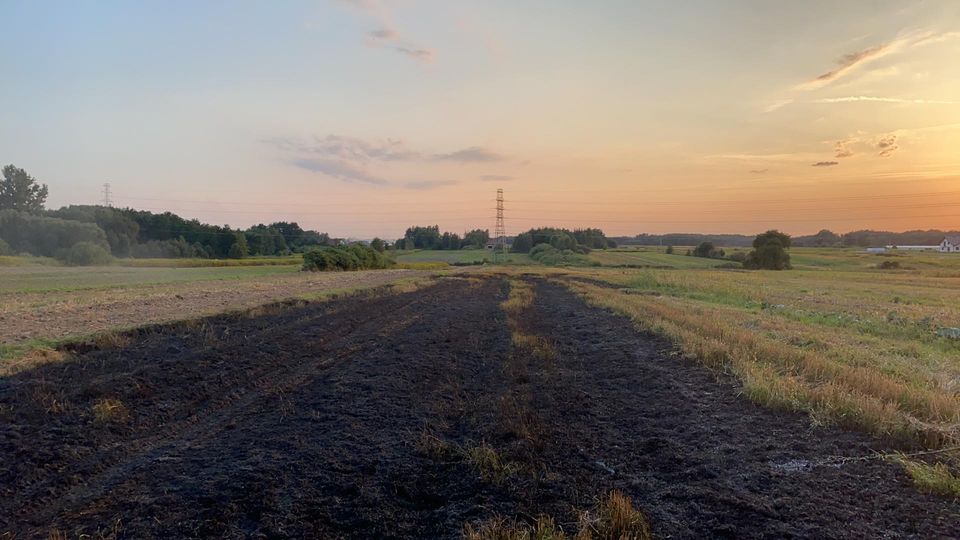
20	191
239	249
476	238
378	245
769	252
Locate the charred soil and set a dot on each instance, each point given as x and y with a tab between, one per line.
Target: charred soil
411	415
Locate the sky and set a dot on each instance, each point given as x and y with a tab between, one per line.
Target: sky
363	117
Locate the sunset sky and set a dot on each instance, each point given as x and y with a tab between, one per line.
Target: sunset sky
363	117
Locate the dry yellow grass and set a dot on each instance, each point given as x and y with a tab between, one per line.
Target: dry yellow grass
614	518
109	410
776	373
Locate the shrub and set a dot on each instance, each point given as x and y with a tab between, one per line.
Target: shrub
769	252
669	250
86	254
5	248
889	265
354	257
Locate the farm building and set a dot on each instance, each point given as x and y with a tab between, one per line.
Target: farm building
950	244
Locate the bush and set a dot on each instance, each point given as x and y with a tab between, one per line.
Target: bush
551	256
86	254
889	265
770	252
354	257
707	250
5	248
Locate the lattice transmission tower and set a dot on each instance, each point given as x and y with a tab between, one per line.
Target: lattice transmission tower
106	195
499	232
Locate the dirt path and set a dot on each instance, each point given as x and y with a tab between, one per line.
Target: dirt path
353	419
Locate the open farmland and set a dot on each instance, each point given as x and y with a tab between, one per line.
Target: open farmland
473	405
41	304
698	401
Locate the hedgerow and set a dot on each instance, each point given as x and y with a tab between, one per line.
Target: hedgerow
353	257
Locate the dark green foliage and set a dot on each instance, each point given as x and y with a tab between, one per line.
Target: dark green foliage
20	191
122	232
266	241
239	249
523	243
46	236
551	256
352	257
889	265
686	239
476	238
770	252
424	237
593	239
5	248
561	239
708	250
169	249
85	254
296	239
378	245
824	238
669	250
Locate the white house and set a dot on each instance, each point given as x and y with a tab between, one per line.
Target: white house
950	244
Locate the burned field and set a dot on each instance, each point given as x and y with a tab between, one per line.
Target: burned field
472	406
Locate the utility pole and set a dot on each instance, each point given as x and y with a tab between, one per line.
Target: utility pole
500	232
106	195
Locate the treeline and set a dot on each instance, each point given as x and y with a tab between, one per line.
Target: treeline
418	237
578	241
868	238
137	233
685	239
824	238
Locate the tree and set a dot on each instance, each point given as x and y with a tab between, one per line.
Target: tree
769	252
239	249
476	238
705	249
20	191
669	250
378	245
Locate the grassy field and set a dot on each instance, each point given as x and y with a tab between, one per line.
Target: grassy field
848	343
46	279
461	256
41	306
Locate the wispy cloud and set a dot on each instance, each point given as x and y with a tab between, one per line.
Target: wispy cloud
825	164
347	148
425	55
338	169
779	104
759	171
849	62
386	35
853	61
887	144
841	149
429	184
473	154
495	178
877	99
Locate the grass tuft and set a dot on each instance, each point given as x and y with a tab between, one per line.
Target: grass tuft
109	410
488	463
936	478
